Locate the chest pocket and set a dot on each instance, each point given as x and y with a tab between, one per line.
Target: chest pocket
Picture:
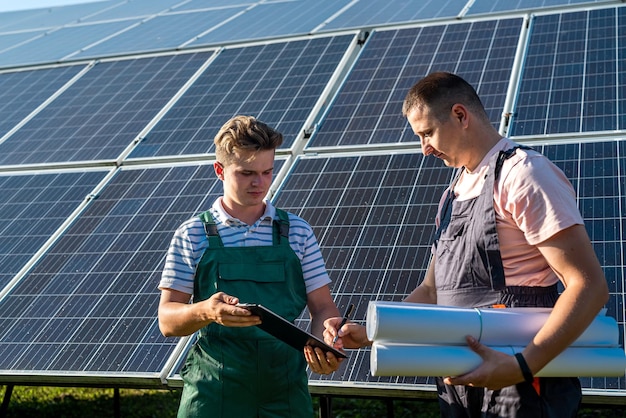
261	273
453	231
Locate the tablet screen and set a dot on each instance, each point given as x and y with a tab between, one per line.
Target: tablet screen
286	331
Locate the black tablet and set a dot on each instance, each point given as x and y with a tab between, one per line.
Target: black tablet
286	331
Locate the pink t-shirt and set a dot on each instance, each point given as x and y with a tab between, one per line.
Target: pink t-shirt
533	200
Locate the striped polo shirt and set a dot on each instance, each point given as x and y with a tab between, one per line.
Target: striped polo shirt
190	242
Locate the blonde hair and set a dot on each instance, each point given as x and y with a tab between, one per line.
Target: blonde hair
244	133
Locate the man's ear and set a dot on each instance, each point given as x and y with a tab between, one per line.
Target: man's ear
460	113
219	170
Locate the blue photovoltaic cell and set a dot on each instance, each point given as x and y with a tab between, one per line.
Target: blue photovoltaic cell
32	208
50	17
368	108
90	304
380	12
57	44
277	83
167	31
273	19
374	219
133	9
13	40
571	77
203	5
12	20
491	6
596	171
103	112
23	91
621	59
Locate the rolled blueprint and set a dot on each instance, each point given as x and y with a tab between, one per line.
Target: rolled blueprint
390	359
416	323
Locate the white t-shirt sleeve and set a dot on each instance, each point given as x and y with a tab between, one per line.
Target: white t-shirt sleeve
184	254
538	197
304	243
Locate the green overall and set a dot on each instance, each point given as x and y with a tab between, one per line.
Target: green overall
244	372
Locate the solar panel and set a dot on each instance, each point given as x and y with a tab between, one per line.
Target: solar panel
90	304
13	40
11	20
380	12
167	31
279	83
266	20
58	43
572	73
51	17
101	113
367	109
492	6
596	171
132	9
202	4
21	92
32	208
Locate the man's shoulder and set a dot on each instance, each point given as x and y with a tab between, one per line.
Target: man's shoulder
295	221
191	224
529	159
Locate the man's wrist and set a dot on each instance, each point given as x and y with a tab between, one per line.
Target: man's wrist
526	372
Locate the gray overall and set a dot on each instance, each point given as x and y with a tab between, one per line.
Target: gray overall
469	273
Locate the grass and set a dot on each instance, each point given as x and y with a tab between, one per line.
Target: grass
62	402
67	402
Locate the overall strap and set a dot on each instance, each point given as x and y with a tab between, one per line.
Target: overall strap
281	225
446	209
505	155
210	229
281	228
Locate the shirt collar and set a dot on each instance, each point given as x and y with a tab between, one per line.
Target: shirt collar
223	217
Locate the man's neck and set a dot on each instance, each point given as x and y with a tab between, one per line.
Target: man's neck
247	214
482	148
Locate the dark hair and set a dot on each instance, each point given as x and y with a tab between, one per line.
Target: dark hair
439	91
244	133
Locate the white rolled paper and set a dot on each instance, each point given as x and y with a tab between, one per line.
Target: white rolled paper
416	323
391	359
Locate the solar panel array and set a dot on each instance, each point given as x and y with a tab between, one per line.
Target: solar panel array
366	111
106	130
279	83
88	305
583	89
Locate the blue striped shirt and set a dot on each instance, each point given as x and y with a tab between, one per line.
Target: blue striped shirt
190	242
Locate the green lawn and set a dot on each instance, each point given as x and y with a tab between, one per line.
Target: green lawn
61	402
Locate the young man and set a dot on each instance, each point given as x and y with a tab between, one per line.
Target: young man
245	250
508	230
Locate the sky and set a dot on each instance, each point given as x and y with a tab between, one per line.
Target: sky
10	5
